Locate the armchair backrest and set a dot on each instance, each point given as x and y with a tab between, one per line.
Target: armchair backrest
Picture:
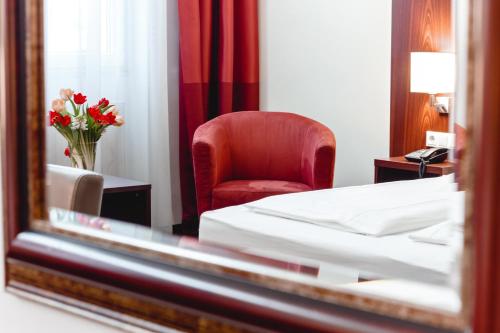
270	145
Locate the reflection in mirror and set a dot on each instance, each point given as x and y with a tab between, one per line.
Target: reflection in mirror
153	130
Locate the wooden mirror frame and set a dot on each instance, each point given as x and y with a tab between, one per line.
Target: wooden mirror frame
45	267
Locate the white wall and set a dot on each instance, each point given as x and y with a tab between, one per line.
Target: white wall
330	60
461	16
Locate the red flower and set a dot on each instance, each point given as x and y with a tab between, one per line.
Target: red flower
66	151
94	112
108	118
79	98
65	120
54	117
103	102
102	119
57	118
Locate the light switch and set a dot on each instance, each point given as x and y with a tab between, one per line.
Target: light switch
440	139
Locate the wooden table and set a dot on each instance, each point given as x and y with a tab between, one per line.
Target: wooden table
126	200
398	168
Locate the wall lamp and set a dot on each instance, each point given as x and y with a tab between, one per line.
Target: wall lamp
433	73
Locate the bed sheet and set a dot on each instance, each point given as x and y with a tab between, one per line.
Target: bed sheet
391	256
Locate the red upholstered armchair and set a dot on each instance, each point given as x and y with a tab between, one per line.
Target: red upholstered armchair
245	156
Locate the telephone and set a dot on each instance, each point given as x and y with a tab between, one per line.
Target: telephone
427	156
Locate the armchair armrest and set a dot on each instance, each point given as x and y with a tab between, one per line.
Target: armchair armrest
318	157
211	161
74	189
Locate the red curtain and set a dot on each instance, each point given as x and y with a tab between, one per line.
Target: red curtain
219	73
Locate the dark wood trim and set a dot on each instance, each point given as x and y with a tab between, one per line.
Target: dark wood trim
34	104
114	184
114	303
398	168
14	191
264	272
484	97
225	298
127	189
401	163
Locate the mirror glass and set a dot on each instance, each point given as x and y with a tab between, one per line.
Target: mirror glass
267	141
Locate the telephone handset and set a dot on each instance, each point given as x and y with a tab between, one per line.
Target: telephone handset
430	155
427	156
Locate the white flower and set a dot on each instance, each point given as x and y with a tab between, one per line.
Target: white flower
66	94
79	122
58	105
113	110
119	121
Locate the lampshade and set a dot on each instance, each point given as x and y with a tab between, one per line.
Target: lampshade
432	72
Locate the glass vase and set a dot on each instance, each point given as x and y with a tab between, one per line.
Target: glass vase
82	155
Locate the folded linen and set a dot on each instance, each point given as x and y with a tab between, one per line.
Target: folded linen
443	233
437	234
375	209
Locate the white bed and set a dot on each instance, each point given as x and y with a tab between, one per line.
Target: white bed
389	256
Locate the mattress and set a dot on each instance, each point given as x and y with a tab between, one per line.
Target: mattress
361	256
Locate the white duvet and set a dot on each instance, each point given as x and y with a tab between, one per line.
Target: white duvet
376	209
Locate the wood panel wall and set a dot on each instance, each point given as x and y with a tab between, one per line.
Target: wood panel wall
417	25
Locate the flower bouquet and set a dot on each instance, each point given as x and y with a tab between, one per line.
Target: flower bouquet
83	126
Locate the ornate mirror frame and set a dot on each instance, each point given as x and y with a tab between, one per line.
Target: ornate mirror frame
101	284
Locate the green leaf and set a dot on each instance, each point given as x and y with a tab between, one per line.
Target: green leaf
74	106
106	108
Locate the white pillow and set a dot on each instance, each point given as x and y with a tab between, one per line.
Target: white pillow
375	209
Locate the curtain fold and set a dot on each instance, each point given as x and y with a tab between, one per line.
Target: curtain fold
219	73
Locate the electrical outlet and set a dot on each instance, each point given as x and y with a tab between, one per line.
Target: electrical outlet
440	139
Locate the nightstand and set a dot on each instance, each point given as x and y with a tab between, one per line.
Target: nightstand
398	168
126	200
